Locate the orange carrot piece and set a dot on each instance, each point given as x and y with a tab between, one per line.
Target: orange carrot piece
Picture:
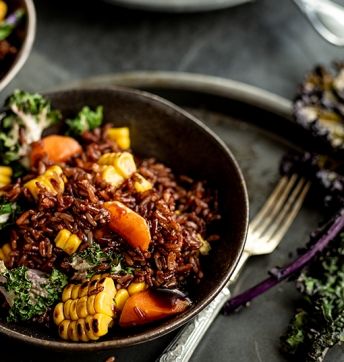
129	224
151	305
58	148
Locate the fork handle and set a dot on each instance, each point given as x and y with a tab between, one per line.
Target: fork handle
244	256
186	341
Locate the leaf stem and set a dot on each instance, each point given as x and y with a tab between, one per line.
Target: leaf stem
279	274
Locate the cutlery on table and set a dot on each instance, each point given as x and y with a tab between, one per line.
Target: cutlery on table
326	17
265	232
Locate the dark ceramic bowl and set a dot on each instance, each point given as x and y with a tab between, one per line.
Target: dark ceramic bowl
160	129
22	38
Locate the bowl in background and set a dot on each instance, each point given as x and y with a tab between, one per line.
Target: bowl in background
22	38
162	130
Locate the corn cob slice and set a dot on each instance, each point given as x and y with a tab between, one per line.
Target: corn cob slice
86	310
52	173
111	175
120	166
122	161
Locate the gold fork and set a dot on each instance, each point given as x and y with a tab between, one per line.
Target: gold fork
265	232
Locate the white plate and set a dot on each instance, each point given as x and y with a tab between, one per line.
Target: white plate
178	5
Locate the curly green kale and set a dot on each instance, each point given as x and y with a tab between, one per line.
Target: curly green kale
22	123
319	324
10	23
86	262
8	211
30	292
86	120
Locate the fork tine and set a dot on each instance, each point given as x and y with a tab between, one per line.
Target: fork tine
294	208
264	240
285	184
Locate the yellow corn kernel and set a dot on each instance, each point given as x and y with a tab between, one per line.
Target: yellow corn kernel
3	11
5	170
104	304
5	251
44	181
67	241
90	304
100	324
75	291
81	307
73	331
72	310
109	286
62	238
54	172
96	277
143	184
124	163
136	287
111	175
205	248
122	296
72	244
63	329
32	187
83	291
88	328
5	180
92	285
2	255
121	136
58	313
67	292
107	159
66	308
81	330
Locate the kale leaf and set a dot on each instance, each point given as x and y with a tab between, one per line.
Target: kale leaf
29	292
10	23
86	262
8	211
86	120
319	324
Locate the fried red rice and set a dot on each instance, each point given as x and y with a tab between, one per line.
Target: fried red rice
176	210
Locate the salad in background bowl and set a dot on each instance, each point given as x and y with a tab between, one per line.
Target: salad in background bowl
17	33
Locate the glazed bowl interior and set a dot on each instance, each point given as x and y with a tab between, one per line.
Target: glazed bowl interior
162	130
22	38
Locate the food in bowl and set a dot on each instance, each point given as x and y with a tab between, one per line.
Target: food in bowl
10	39
93	236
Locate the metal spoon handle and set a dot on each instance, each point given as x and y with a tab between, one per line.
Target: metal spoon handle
326	17
186	341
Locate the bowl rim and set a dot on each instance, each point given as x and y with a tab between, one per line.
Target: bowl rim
26	47
159	331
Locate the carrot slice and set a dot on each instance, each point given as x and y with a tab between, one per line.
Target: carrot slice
58	148
129	224
151	305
